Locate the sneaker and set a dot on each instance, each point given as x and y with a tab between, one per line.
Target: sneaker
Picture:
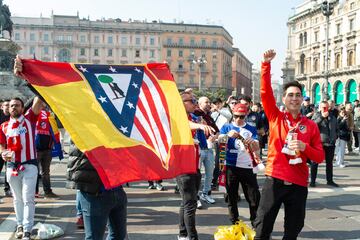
207	198
312	184
177	191
199	205
159	187
51	195
342	165
151	186
80	222
19	232
333	184
183	238
8	193
27	236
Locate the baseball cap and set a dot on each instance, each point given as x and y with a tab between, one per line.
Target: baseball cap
240	108
306	99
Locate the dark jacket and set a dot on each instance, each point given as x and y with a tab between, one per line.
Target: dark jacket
344	130
81	174
328	128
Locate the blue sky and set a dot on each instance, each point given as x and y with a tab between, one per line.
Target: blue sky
255	25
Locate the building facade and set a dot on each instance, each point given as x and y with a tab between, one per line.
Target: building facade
306	54
255	76
241	73
198	55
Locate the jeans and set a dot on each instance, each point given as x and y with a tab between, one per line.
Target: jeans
23	190
275	193
341	152
329	157
247	178
207	158
78	204
108	207
44	159
188	186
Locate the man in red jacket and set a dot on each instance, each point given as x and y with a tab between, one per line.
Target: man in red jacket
293	139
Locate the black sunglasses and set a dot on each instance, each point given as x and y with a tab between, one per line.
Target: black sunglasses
193	101
239	116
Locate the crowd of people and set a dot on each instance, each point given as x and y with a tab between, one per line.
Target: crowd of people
296	135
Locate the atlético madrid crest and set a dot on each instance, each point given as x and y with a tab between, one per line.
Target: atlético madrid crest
134	102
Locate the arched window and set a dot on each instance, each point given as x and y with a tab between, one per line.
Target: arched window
301	40
337	60
305	39
302	63
351	58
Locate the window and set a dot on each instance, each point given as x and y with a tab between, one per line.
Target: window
110	52
137	53
192	66
168	53
32	50
352	5
96	39
123	52
351	24
96	52
214	43
152	41
300	40
203	42
302	63
123	40
152	53
82	51
351	58
181	66
316	65
305	38
181	41
181	79
214	67
316	36
169	41
337	60
46	37
338	29
214	79
17	36
32	36
137	41
192	80
110	39
181	53
214	54
82	38
46	50
192	42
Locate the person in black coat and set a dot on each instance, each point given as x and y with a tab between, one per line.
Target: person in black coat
327	124
344	136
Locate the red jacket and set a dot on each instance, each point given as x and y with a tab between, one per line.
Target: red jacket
277	164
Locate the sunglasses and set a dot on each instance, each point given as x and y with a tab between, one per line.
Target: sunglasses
193	101
239	116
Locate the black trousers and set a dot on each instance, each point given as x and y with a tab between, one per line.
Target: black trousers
6	184
216	172
329	157
189	187
249	184
274	194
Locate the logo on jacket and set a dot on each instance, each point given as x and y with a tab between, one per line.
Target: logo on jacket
302	128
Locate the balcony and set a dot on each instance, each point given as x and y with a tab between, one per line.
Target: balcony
64	43
338	38
181	70
351	34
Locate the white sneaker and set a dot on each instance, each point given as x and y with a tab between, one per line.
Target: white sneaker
199	204
207	198
342	165
183	238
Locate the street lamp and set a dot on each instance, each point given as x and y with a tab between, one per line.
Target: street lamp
201	61
327	9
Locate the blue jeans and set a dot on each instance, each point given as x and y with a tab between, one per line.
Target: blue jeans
188	187
78	204
108	207
208	159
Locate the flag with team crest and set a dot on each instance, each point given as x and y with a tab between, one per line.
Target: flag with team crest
129	120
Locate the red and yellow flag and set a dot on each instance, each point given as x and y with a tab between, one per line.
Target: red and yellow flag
129	120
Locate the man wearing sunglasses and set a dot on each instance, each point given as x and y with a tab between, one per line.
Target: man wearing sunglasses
239	166
189	183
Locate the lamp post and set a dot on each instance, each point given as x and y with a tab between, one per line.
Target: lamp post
201	61
327	9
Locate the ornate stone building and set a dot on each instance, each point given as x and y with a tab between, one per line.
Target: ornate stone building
241	73
306	53
182	46
255	76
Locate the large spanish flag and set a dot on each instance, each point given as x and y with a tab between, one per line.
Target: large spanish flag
129	120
